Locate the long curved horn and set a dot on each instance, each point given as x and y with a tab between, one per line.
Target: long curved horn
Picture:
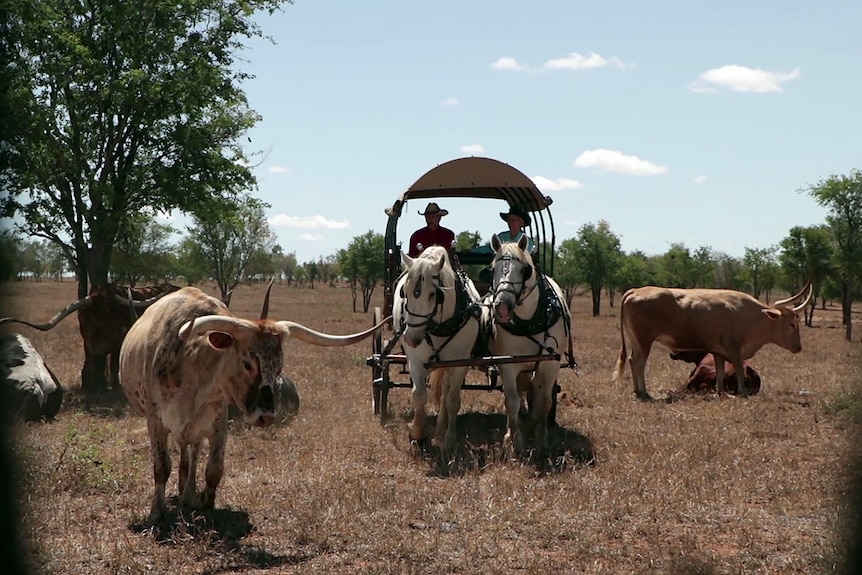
313	337
808	299
132	313
80	304
138	303
793	297
265	311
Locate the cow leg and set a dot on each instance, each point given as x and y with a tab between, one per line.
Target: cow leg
719	374
447	420
739	366
161	465
189	455
215	464
637	362
114	370
509	375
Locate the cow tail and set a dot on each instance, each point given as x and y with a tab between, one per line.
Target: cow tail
621	361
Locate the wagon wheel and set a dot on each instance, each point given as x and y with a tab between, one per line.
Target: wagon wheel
376	370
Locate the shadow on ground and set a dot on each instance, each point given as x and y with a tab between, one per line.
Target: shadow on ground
221	530
480	444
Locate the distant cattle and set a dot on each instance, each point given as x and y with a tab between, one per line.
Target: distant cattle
104	318
30	389
184	361
702	377
729	323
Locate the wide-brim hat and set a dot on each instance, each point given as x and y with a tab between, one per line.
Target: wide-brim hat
514	211
432	209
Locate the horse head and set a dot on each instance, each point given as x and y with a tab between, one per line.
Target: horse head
514	277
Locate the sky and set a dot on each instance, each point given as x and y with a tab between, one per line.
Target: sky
676	121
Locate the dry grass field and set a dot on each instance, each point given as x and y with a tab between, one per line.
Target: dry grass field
694	486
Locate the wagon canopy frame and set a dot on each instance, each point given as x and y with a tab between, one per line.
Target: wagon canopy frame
479	177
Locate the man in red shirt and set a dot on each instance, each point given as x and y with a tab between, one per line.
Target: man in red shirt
433	234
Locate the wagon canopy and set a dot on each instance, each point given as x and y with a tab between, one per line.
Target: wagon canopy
476	177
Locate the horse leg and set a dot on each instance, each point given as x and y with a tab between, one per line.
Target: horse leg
541	399
447	422
418	374
514	433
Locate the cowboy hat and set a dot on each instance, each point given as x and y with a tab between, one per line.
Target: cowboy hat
432	209
515	211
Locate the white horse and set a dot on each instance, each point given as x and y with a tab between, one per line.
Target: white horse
438	312
528	316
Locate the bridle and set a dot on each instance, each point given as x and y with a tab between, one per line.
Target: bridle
438	303
516	288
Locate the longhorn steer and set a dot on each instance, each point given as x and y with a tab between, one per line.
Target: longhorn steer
729	324
702	376
31	389
104	318
184	361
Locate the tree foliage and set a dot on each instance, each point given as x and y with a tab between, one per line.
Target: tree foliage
142	250
594	258
227	239
123	106
362	264
842	195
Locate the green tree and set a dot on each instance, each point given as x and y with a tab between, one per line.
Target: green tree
677	268
635	271
312	272
123	106
728	272
288	267
228	239
761	270
807	254
142	249
596	257
362	264
704	267
10	255
190	262
842	195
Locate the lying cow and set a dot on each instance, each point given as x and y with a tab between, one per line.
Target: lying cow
31	389
729	323
702	377
184	361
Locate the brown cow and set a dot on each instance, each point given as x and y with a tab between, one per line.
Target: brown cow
702	376
731	324
103	318
184	361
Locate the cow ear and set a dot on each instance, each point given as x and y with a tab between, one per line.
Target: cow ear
772	313
220	340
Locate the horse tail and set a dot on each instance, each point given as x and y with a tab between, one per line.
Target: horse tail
618	372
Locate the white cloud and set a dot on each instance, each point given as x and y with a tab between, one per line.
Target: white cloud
557	184
576	61
507	63
307	222
451	102
278	169
742	79
700	179
473	149
311	237
620	64
616	161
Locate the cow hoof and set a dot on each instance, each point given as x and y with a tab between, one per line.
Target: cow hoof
643	396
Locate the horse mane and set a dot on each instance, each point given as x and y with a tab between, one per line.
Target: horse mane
428	259
512	250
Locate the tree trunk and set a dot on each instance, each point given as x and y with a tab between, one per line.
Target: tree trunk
597	300
846	303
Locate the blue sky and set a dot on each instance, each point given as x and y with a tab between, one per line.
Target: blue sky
675	121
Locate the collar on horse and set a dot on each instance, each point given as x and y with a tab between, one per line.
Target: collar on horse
548	312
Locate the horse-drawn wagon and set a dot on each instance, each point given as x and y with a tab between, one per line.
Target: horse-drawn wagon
482	178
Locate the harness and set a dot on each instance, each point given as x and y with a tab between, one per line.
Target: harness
465	309
549	310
